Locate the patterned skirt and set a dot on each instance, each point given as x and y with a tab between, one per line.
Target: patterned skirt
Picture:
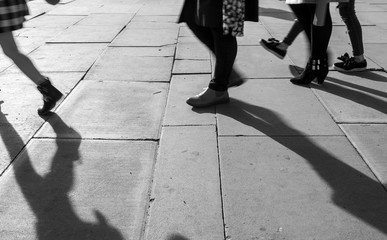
12	13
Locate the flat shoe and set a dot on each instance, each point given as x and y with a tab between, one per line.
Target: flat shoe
208	98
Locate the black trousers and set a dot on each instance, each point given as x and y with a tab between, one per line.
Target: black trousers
318	36
224	47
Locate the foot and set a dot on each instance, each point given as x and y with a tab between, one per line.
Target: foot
348	64
271	45
51	96
208	98
235	79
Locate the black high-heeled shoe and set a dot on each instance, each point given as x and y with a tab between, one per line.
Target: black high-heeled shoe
51	95
315	69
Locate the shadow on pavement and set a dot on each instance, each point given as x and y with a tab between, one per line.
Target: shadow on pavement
176	237
48	195
353	191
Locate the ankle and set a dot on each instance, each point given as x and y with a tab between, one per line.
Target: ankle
282	46
359	58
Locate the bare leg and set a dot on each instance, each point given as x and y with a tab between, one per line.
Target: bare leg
11	50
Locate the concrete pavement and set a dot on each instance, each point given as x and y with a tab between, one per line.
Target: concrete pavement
124	157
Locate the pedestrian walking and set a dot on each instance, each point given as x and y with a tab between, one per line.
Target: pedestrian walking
315	18
347	64
357	62
12	16
217	23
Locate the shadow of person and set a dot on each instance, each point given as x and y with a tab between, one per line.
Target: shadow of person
48	195
366	96
352	190
176	236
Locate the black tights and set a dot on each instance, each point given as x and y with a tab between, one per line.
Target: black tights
224	47
318	36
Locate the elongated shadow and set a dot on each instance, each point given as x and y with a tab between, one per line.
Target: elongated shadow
276	13
176	236
362	95
353	191
48	195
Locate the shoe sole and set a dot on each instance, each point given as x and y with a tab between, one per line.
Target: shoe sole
271	51
223	101
352	70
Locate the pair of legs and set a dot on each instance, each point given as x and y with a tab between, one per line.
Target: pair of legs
50	94
224	47
318	36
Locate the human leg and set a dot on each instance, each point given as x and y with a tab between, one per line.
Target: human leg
50	94
357	62
11	50
225	47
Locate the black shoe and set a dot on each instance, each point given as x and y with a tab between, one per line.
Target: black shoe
51	95
271	45
315	69
348	64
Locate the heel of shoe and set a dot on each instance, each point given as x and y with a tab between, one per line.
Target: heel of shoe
322	70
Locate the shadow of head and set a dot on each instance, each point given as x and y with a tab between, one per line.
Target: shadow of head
176	236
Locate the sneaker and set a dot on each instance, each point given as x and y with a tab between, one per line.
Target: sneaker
348	64
271	45
208	98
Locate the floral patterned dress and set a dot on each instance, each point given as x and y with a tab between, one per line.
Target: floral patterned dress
227	14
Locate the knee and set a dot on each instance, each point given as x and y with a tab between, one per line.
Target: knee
345	10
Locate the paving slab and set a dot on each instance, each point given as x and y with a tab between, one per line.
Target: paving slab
87	34
134	111
57	189
178	112
186	194
67	57
299	188
370	140
120	8
134	37
153	25
256	62
377	53
196	51
74	10
19	116
107	19
162	9
191	67
47	21
153	18
129	64
355	98
254	111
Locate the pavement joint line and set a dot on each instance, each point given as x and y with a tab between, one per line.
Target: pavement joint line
189	125
100	139
281	136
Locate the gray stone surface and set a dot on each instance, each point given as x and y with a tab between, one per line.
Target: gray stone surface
254	62
106	19
299	188
191	67
134	37
57	189
125	64
177	111
66	57
371	141
47	21
87	34
355	98
197	51
20	100
254	111
186	194
115	110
